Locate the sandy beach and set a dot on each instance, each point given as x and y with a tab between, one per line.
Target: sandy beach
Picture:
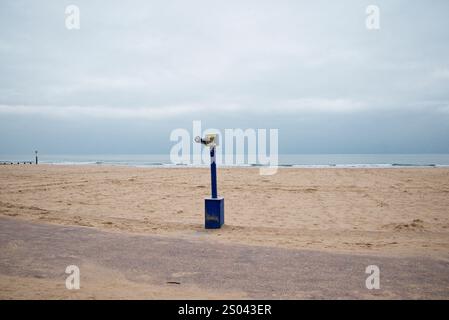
138	233
357	211
116	122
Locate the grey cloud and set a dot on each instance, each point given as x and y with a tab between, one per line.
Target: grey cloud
275	62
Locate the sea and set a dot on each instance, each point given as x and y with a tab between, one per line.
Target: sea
284	160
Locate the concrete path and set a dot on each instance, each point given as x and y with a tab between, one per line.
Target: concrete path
43	251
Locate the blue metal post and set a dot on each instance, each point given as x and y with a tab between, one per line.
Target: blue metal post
213	173
214	213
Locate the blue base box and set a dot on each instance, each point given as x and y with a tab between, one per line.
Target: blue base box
214	215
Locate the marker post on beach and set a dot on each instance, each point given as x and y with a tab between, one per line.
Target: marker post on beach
214	206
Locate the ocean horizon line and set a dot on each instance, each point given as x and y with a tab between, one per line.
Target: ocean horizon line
284	160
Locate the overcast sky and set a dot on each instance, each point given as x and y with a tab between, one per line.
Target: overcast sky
136	70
